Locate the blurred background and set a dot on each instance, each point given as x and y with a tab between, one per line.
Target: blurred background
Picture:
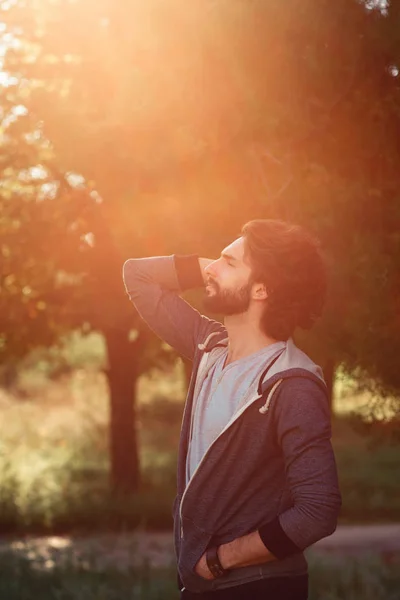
131	129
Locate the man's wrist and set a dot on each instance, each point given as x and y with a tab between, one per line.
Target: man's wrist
226	556
213	562
188	271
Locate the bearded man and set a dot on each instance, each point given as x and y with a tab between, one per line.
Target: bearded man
256	481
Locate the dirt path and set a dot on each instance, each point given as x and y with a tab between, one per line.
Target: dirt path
156	549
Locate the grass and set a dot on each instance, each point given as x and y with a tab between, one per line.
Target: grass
54	451
368	579
19	580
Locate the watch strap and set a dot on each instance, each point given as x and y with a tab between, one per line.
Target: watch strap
213	562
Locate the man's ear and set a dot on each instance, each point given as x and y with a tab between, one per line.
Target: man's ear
260	292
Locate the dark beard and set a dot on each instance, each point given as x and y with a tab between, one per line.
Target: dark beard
228	303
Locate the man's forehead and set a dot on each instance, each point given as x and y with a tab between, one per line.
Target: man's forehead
235	249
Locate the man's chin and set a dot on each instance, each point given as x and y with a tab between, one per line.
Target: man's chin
219	302
214	305
212	302
210	305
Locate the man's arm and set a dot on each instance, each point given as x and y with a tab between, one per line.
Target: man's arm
154	284
303	429
244	551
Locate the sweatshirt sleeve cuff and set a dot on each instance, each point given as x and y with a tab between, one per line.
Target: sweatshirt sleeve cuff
188	271
276	540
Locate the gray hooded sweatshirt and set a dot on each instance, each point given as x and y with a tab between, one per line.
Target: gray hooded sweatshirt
271	469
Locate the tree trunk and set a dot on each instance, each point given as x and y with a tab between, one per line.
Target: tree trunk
122	378
329	375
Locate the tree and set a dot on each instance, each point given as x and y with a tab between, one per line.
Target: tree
50	283
263	109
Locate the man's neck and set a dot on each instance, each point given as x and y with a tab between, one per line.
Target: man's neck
245	337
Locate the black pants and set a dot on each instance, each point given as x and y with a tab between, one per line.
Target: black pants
275	588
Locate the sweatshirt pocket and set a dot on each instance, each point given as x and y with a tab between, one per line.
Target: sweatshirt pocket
194	543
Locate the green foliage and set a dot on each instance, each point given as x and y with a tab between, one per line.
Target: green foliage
54	461
65	498
368	482
73	351
9	492
54	458
301	124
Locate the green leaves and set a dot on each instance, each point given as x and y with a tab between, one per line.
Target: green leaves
189	119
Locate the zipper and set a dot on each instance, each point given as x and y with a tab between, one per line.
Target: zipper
201	369
199	378
227	426
199	374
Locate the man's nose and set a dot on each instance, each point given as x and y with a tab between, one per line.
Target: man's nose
210	270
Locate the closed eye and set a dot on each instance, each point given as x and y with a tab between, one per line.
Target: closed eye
230	260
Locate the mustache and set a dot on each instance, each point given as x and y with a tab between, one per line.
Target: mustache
212	282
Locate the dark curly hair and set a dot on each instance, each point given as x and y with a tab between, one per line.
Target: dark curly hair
289	262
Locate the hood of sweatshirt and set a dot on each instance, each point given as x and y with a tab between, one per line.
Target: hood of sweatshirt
291	362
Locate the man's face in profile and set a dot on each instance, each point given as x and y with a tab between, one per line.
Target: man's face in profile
229	285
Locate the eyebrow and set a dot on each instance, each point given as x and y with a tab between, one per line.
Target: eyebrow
228	256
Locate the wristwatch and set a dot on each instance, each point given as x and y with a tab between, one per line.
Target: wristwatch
213	562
